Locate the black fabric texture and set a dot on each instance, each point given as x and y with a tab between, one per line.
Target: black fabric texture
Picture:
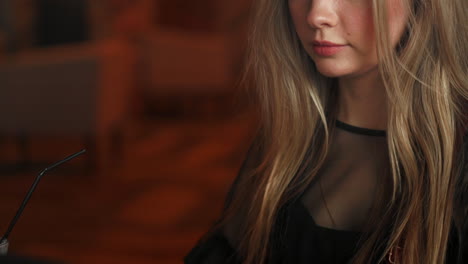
324	224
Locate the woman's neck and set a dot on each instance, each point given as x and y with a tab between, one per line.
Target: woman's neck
362	101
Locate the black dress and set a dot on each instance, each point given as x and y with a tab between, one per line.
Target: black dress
324	223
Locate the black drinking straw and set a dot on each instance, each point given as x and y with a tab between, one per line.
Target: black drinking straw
31	190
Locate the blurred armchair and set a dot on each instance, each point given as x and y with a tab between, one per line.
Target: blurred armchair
83	90
178	59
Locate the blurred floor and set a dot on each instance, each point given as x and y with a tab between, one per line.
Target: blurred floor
152	207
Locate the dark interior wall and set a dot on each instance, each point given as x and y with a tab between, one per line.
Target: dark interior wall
6	24
60	22
190	15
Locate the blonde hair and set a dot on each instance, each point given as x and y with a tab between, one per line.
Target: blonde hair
426	82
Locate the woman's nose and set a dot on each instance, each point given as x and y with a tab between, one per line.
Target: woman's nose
322	13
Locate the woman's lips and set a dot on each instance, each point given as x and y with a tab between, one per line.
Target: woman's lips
325	48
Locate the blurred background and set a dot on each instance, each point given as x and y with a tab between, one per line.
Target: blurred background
150	88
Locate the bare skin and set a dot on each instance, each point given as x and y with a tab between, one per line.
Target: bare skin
339	37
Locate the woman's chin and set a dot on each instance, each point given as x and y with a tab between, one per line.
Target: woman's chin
339	72
332	69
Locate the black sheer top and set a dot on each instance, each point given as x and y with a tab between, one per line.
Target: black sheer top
325	223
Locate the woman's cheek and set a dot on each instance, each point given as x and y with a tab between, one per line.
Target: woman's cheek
360	29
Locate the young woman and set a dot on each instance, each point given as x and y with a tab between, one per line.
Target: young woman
361	155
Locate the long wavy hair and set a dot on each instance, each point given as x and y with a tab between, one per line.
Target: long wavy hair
425	78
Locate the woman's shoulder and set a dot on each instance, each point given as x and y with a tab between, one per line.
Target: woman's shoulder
213	248
219	245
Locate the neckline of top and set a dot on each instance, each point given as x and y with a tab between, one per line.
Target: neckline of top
360	130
